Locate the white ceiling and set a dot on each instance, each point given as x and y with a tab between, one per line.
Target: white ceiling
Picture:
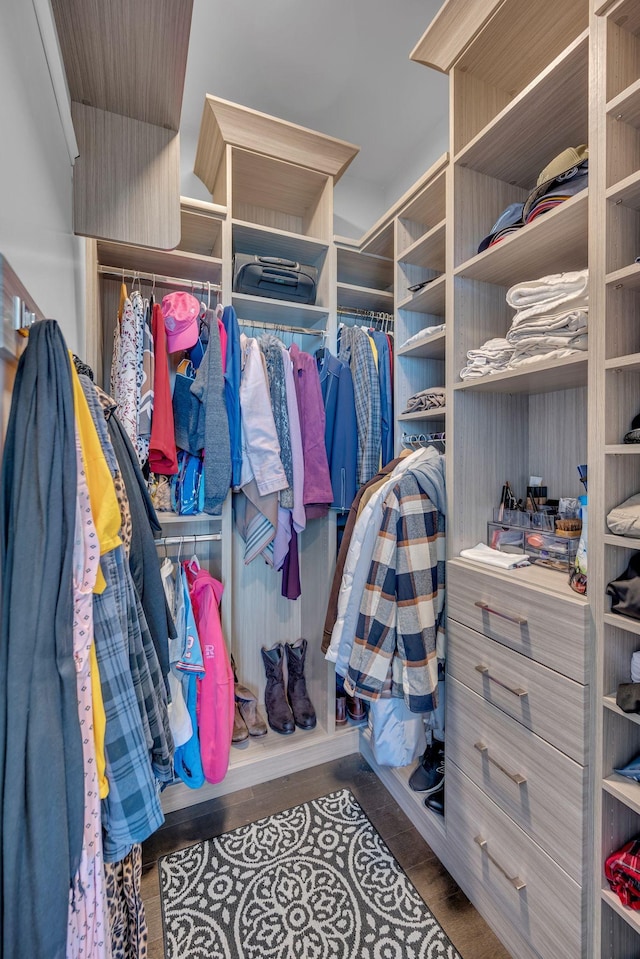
337	66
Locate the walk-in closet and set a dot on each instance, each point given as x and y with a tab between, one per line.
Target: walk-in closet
320	525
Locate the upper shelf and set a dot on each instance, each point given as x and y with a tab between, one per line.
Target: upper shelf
364	269
626	106
268	241
201	227
430	299
279	312
626	192
555	242
628	277
364	298
230	123
431	347
428	251
173	263
537	124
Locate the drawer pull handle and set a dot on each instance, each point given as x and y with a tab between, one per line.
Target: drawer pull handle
515	881
516	690
519	620
515	777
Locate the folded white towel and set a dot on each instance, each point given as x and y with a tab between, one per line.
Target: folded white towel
492	357
566	321
549	347
493	557
553	290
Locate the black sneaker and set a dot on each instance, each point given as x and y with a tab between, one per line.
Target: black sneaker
435	801
428	776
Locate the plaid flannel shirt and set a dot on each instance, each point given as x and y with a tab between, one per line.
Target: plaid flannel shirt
402	606
355	349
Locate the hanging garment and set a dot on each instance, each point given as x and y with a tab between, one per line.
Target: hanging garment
318	493
145	403
41	761
108	408
271	348
213	424
162	445
341	429
355	349
216	691
260	446
127	919
87	934
143	557
232	375
179	718
399	613
139	310
298	514
136	745
186	409
386	394
124	367
187	760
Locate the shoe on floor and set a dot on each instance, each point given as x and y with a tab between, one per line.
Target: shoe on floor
428	776
341	709
356	709
435	801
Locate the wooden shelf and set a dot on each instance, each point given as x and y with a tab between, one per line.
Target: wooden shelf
268	241
556	242
626	106
624	13
258	308
201	519
430	299
428	251
437	414
431	347
537	124
625	790
364	298
429	205
626	191
610	703
364	269
624	364
623	622
545	377
622	449
201	227
628	277
626	542
631	916
176	263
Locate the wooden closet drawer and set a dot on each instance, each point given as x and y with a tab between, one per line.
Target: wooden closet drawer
532	891
553	706
512	608
539	787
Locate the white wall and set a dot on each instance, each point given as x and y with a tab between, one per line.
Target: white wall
36	233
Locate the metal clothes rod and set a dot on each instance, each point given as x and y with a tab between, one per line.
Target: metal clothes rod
119	274
372	314
280	327
197	538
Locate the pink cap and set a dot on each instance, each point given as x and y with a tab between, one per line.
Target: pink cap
180	312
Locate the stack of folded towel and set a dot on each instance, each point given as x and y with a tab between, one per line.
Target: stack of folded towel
550	322
430	399
422	335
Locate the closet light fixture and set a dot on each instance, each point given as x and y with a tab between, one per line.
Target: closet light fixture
51	47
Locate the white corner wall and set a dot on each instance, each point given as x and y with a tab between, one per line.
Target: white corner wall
36	231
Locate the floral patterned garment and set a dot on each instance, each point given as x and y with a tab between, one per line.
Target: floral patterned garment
124	367
87	930
145	405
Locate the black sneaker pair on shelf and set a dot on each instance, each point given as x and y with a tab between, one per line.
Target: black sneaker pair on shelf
428	777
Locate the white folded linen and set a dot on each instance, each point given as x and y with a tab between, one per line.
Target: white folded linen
550	347
423	335
492	357
565	323
552	290
493	557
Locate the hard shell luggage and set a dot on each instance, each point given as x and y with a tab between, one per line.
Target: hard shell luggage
274	277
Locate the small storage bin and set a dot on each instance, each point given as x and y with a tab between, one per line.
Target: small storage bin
541	544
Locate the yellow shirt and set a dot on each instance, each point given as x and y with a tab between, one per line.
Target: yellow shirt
102	492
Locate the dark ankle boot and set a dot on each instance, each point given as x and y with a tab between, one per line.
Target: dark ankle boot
303	711
275	702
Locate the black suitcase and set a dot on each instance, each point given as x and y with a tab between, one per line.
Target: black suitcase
274	277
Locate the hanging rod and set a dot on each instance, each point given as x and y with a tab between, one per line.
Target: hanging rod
263	325
372	314
157	278
196	538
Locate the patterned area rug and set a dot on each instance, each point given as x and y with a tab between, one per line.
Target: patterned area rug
313	882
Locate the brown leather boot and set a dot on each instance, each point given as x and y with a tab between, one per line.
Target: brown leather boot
279	714
247	705
301	706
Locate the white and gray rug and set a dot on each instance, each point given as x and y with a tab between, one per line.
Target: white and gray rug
313	882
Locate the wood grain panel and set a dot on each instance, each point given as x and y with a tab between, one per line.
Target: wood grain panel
428	250
623	56
475	105
363	269
126	181
554	631
430	299
538	377
555	707
550	908
549	805
479	201
225	122
126	58
450	32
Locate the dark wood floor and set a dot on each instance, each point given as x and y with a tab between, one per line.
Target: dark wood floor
464	926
